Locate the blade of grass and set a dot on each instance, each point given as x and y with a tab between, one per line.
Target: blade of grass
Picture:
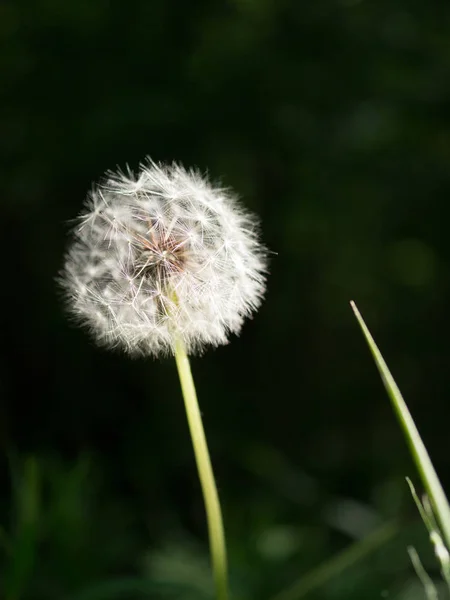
427	582
23	541
420	455
337	564
425	511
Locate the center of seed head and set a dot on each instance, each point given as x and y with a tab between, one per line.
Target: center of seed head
159	259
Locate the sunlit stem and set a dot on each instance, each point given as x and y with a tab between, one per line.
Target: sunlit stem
205	472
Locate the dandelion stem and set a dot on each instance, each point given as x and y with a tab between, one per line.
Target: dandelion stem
205	472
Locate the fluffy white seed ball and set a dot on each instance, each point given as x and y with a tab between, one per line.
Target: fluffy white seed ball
163	254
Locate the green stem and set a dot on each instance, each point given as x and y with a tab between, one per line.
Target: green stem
205	472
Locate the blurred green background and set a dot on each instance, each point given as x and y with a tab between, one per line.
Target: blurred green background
331	120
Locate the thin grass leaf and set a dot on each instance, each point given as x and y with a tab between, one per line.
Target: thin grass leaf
425	510
420	455
23	541
345	559
426	513
427	582
442	555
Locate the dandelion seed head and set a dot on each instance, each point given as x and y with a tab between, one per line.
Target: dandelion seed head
161	254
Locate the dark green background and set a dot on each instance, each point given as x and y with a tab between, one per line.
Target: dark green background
331	120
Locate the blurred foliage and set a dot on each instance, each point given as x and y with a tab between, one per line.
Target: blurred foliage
70	539
330	118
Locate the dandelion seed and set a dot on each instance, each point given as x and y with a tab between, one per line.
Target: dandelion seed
160	255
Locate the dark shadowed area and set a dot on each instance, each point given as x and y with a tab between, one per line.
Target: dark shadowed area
331	121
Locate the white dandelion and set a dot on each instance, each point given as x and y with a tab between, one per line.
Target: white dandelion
161	255
164	262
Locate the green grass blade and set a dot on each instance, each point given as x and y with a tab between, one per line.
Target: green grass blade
420	455
427	582
425	510
23	541
337	564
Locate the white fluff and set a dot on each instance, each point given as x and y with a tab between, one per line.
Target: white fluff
163	254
